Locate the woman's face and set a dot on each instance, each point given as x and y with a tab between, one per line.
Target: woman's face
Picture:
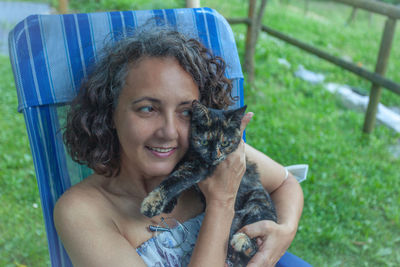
152	117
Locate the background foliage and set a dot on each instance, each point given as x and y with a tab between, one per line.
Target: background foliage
351	215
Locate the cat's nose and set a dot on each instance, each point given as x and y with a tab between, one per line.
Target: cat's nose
218	153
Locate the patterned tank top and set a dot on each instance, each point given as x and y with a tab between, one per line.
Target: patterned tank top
154	252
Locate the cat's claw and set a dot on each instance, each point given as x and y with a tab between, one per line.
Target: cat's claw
242	243
153	204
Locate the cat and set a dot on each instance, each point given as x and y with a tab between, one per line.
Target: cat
214	134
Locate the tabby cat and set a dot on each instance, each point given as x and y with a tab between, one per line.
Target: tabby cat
214	135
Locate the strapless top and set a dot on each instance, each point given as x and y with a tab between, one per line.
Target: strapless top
154	252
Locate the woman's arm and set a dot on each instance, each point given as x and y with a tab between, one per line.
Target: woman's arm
212	242
288	199
287	195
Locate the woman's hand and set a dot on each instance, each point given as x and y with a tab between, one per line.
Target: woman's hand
222	186
272	239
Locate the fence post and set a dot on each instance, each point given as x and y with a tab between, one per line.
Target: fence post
306	6
380	68
352	16
247	54
192	3
252	34
63	6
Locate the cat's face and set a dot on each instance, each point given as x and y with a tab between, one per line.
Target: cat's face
215	133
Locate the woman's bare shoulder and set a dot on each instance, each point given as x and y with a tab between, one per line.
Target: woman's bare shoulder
81	204
82	197
85	222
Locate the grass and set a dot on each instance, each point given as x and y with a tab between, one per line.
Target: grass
351	215
22	233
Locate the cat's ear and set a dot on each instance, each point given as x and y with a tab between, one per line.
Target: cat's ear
234	116
239	112
200	113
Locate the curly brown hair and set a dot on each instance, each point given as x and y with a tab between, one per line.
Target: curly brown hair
89	134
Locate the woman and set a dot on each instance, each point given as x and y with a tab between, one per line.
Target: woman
130	124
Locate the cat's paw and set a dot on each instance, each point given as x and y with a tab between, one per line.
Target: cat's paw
170	206
242	243
153	204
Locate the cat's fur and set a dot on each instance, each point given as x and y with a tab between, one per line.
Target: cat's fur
214	135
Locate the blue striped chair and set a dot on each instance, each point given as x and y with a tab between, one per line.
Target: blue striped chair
50	54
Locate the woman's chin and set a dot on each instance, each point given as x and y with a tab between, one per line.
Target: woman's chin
157	171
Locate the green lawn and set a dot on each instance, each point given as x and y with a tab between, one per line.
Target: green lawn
22	234
351	214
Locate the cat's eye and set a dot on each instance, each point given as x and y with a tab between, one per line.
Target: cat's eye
225	143
203	142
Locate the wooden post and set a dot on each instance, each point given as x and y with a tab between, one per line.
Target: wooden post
380	68
306	6
352	16
374	6
192	3
251	16
63	6
252	35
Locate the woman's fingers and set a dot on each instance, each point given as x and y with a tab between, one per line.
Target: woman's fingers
258	229
245	120
272	239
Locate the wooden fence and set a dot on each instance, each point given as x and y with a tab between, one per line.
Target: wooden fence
377	78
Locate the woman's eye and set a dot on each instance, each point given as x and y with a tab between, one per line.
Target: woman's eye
187	113
146	109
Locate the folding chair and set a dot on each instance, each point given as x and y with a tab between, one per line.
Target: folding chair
50	54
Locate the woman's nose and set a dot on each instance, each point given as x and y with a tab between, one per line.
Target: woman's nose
168	128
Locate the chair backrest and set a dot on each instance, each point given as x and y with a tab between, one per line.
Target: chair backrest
50	55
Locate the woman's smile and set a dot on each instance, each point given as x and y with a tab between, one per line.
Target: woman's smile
161	152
